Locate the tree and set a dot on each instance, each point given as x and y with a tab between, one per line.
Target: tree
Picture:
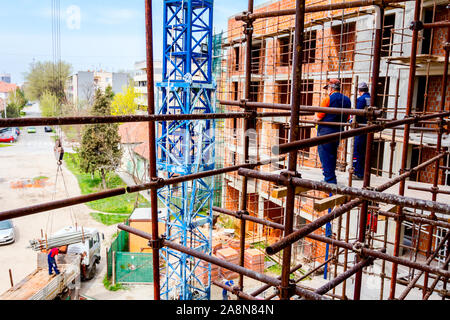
50	106
17	97
47	77
125	103
12	111
100	151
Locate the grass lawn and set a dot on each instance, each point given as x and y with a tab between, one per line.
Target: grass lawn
109	219
119	204
3	145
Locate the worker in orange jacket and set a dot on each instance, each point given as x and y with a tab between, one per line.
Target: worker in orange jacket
328	151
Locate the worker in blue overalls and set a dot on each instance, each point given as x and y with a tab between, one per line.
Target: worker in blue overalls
328	151
359	152
51	259
228	283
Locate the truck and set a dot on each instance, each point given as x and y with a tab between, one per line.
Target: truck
76	262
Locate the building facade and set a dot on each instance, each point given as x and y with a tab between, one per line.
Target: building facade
338	44
140	81
81	86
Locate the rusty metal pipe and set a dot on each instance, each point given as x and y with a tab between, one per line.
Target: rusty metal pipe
238	293
311	142
417	219
309	109
221	263
317	8
294	134
345	275
428	261
370	138
61	121
350	191
267	286
428	190
153	174
406	132
58	204
363	251
249	124
438	149
434	25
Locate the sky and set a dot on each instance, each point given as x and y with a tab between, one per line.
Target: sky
95	34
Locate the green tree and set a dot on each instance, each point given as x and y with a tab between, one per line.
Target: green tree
45	77
100	151
17	97
12	111
125	103
49	104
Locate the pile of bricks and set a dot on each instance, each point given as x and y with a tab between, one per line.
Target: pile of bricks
229	255
254	260
202	272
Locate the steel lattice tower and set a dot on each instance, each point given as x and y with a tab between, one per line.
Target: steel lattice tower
187	147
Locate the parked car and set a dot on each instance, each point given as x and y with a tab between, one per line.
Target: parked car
31	130
7	234
7	138
8	135
48	129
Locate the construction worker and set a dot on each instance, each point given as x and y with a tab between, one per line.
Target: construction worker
328	151
359	151
224	291
51	258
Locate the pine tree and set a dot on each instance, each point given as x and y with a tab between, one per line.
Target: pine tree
100	151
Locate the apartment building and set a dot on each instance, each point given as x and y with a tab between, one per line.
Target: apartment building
5	77
81	86
140	81
338	44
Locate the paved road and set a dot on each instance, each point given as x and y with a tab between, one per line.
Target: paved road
30	157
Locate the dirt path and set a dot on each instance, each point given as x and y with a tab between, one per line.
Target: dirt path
31	157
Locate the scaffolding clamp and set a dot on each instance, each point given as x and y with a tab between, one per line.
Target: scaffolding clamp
158	181
241	213
446	46
157	243
372	113
416	25
245	16
289	291
357	248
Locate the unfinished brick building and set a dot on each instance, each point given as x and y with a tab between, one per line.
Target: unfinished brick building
337	44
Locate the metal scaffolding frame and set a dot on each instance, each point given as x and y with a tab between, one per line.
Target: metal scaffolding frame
291	178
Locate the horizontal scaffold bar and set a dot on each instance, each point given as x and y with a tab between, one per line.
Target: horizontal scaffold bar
61	121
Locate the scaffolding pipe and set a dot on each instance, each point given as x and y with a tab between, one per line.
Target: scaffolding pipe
345	275
311	142
58	204
294	134
352	247
379	18
318	8
249	125
62	121
153	173
221	263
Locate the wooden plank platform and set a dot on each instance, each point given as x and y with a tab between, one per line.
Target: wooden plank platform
330	202
281	192
31	284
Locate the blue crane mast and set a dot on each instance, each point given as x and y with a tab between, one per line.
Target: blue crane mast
187	146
